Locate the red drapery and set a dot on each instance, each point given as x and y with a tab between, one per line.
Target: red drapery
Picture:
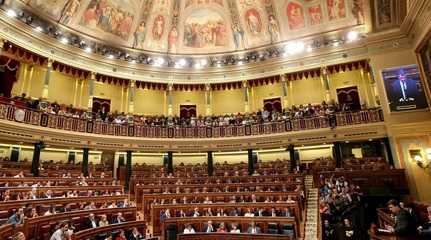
8	72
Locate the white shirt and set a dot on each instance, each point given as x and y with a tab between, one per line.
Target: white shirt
57	235
235	231
189	231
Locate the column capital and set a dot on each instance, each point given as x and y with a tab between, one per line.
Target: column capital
50	62
207	87
283	77
132	83
244	83
170	86
93	75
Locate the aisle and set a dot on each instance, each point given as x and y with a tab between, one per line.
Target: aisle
311	220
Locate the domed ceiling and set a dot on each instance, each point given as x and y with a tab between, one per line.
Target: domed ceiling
199	26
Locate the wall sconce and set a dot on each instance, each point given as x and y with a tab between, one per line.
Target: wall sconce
420	160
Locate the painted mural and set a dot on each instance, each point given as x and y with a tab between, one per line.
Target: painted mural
109	16
188	26
204	29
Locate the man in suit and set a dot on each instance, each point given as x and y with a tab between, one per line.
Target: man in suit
209	227
253	229
91	222
404	224
118	219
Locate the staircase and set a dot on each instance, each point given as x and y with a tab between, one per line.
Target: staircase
312	214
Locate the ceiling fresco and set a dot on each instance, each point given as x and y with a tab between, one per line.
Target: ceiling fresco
199	26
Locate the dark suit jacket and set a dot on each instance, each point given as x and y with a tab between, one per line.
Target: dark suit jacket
88	223
404	224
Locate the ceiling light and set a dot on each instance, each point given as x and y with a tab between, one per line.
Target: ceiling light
38	29
88	49
110	56
204	62
309	49
240	63
64	40
352	36
133	61
198	66
11	13
218	65
336	44
294	47
182	62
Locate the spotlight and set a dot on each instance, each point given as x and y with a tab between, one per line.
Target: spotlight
159	61
294	48
133	61
240	63
309	49
204	62
88	50
64	40
198	66
336	44
11	13
38	29
352	36
182	62
111	56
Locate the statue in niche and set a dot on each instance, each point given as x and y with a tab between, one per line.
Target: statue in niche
158	27
273	28
172	40
238	36
139	36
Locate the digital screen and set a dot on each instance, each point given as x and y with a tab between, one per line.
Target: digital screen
404	89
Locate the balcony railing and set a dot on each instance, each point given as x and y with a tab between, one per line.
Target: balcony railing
38	118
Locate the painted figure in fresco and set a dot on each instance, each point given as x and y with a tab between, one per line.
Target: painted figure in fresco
158	27
253	21
139	36
315	15
69	11
385	12
238	36
273	28
358	10
295	15
336	9
209	31
105	15
172	40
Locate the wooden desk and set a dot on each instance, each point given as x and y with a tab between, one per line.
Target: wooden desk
90	233
227	207
231	236
55	201
150	189
34	227
198	223
216	197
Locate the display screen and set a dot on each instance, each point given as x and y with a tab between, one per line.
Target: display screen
404	89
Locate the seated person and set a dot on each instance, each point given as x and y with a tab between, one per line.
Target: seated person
425	229
209	227
234	228
121	236
17	217
253	229
189	229
222	228
103	221
118	219
91	222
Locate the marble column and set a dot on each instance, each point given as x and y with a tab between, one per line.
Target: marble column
45	89
90	89
208	100
324	78
247	100
170	99
285	90
131	98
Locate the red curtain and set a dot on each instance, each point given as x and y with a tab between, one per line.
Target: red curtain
187	111
272	104
8	71
349	97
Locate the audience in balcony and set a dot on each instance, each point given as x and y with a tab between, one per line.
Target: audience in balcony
261	116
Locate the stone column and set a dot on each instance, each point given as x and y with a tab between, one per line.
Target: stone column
36	158
131	99
208	100
324	78
85	155
29	80
246	88
45	89
293	163
90	89
170	99
285	90
250	161
210	163
128	169
374	91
